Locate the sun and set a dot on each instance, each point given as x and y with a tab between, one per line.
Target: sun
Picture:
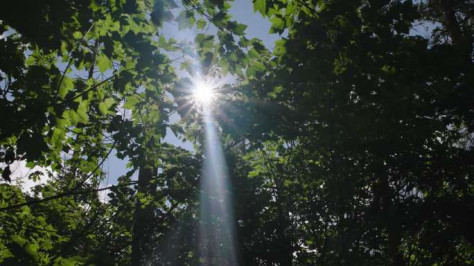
203	91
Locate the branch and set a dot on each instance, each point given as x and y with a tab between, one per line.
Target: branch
68	100
61	195
71	58
235	143
96	168
72	98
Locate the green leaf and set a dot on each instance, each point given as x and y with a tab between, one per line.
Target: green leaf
65	86
132	101
72	116
103	62
259	66
280	47
105	105
253	53
240	29
57	136
19	240
278	24
162	41
201	24
82	112
32	250
77	35
260	6
253	174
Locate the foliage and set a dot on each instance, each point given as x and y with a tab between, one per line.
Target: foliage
350	142
371	142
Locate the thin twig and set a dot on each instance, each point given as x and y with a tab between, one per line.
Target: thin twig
71	58
71	192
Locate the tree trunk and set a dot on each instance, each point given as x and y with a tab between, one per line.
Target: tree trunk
462	40
389	211
285	252
144	216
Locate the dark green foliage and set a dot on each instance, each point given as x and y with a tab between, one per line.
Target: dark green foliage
380	138
350	143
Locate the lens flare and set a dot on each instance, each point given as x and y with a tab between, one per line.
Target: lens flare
204	91
204	94
217	228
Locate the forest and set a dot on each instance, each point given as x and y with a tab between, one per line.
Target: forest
169	132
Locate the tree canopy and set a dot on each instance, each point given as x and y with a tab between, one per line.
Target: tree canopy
349	142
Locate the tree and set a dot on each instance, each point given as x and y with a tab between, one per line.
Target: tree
370	122
350	142
49	113
69	71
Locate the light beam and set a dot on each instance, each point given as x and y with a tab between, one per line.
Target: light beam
217	232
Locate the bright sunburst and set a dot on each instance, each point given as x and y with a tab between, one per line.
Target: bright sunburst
201	94
203	91
207	90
